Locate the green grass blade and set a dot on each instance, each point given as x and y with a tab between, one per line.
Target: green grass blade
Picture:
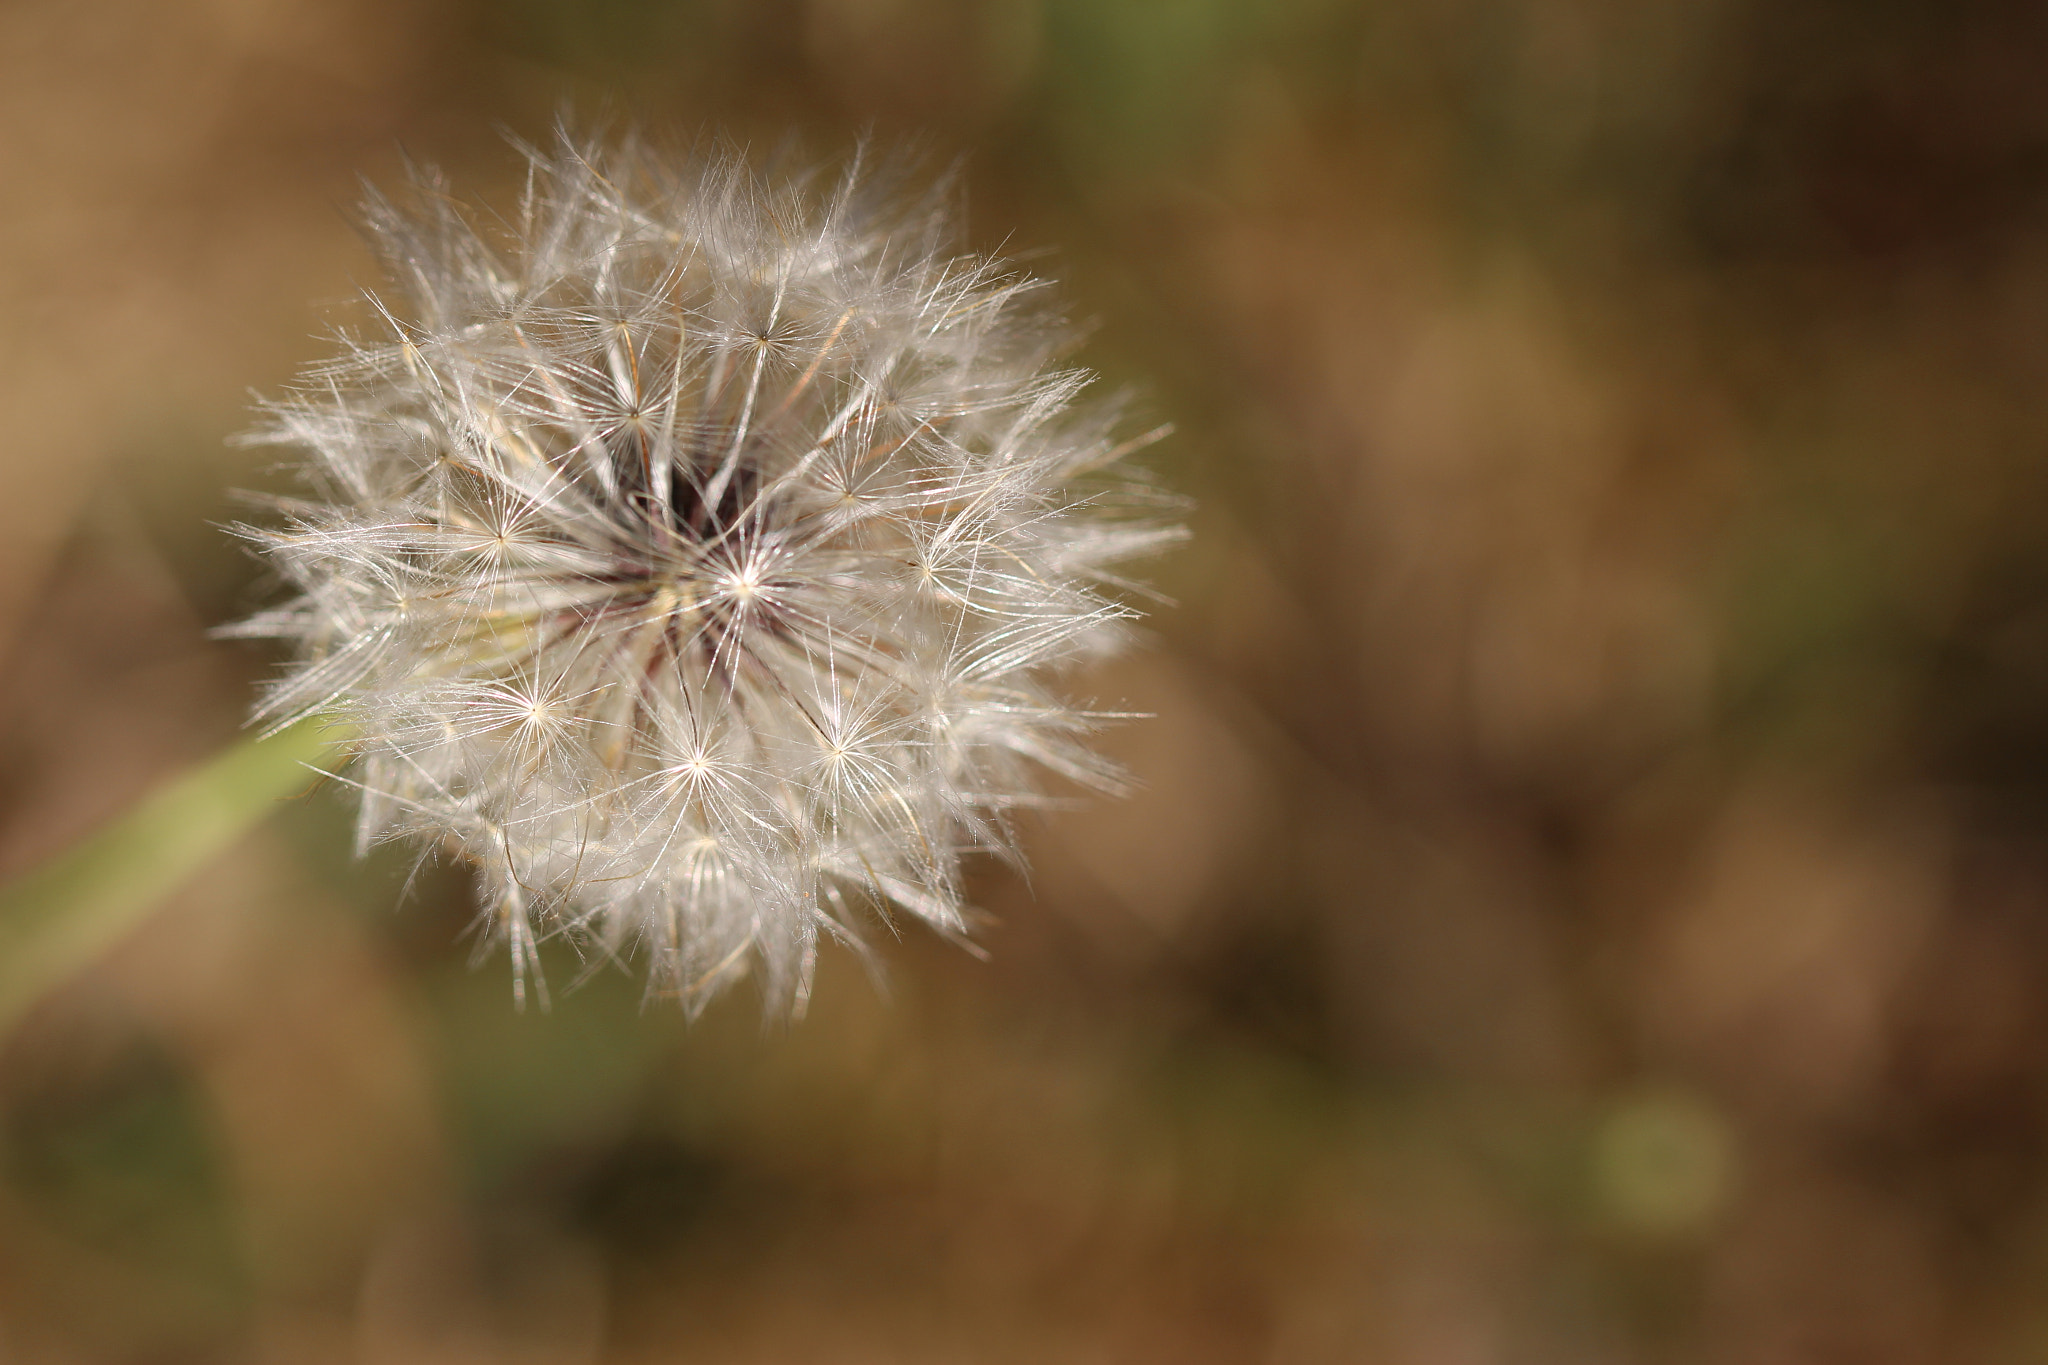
59	917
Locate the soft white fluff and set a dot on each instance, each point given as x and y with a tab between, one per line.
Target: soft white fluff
693	551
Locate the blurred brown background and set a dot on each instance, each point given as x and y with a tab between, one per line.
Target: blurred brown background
1591	898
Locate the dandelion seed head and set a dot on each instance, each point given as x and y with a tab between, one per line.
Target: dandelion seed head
696	549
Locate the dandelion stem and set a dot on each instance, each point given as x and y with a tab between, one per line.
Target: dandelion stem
57	918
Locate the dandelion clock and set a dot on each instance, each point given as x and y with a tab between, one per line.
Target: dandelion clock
696	549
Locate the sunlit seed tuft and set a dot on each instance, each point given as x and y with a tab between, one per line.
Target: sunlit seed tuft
694	551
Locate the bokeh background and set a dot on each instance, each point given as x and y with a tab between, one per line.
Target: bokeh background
1590	900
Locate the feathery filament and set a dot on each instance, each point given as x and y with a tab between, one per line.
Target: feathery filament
694	552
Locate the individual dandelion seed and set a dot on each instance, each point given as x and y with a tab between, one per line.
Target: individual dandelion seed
695	551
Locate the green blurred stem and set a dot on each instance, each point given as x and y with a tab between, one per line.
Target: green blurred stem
59	917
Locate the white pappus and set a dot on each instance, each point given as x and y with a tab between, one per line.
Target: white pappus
695	549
